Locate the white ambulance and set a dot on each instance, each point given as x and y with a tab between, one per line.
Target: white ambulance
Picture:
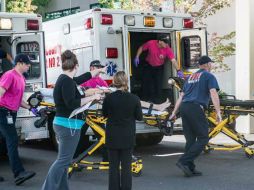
22	33
113	37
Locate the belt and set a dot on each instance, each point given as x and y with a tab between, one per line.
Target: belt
6	109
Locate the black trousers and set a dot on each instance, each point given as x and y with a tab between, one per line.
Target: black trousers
195	128
9	132
152	83
120	179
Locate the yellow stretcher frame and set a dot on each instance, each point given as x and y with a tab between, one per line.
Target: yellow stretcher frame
230	114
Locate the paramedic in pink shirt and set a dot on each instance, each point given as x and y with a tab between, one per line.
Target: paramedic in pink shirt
95	81
12	86
157	52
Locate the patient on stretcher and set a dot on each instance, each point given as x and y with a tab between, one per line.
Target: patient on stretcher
148	108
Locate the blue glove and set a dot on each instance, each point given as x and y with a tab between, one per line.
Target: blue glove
136	61
180	74
34	111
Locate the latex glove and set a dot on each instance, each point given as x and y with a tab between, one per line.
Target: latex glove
136	61
180	74
35	111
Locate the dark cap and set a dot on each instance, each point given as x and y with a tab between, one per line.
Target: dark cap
96	63
204	60
23	58
163	37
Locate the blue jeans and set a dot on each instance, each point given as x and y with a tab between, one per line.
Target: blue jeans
57	178
9	132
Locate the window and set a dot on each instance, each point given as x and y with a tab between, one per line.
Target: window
191	51
31	49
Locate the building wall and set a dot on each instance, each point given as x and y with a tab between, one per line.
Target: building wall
223	22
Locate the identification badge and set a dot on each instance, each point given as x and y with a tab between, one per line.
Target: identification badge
9	119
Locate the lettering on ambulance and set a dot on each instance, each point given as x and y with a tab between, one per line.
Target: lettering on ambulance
194	78
112	68
53	56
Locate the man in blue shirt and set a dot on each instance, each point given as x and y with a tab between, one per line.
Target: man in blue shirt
197	91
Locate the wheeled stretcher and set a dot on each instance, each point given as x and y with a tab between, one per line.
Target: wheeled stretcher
231	109
95	120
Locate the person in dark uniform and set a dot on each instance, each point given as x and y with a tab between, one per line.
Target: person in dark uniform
193	100
122	110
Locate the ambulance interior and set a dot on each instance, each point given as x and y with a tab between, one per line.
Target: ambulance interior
190	52
29	48
136	78
5	46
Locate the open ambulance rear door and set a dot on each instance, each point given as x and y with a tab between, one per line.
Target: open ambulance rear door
190	44
31	44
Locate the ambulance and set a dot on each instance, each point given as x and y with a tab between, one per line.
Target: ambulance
22	33
113	37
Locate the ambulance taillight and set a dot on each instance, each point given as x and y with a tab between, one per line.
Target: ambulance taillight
106	19
111	53
187	23
88	23
32	24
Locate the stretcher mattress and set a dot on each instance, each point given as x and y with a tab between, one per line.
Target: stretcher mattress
238	103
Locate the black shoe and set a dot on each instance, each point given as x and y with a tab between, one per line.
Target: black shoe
1	179
186	170
23	176
196	172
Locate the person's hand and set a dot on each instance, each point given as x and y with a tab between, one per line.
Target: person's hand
34	111
136	61
180	74
97	96
172	116
218	118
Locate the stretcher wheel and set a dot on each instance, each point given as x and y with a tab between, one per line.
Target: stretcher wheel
138	174
248	155
207	150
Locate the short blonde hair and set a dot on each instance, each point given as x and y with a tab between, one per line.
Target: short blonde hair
120	80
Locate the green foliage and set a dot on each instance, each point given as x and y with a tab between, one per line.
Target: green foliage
26	6
20	6
220	47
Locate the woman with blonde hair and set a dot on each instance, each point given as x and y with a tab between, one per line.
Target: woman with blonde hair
122	110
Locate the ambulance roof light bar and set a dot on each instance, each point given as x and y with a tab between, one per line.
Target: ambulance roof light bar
106	19
129	20
149	21
187	23
5	23
32	24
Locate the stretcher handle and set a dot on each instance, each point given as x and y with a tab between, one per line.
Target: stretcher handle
226	96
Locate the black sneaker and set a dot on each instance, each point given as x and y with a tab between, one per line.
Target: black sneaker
23	176
1	179
196	172
186	170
